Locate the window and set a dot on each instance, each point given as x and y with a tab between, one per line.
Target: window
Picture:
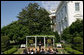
76	6
62	12
58	17
65	9
59	25
65	20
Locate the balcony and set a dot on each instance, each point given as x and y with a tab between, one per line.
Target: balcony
52	11
52	16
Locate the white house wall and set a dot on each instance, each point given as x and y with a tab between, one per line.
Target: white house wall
66	14
60	17
72	13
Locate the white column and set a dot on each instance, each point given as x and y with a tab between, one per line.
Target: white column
53	42
35	43
26	41
44	42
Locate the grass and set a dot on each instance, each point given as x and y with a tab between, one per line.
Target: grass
66	52
63	51
19	51
60	50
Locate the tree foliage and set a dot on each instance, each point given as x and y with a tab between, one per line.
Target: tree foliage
15	31
32	20
4	43
78	44
36	18
49	41
74	35
57	37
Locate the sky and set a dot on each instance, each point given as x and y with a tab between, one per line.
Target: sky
11	9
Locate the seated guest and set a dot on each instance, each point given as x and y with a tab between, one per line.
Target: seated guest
46	51
42	51
37	52
24	52
32	51
54	51
28	51
49	50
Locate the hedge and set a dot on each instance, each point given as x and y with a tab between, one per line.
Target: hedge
72	51
16	46
66	45
68	49
10	51
77	52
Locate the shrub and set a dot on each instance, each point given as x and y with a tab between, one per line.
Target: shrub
77	52
67	45
16	46
57	37
68	49
78	44
72	51
11	51
4	43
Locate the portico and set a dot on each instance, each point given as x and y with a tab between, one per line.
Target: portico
44	36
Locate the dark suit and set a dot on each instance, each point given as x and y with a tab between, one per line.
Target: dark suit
40	46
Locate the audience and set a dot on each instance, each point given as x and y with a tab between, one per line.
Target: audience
42	51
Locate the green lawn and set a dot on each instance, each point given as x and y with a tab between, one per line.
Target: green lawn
63	51
19	51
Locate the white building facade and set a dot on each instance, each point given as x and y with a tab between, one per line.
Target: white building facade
53	19
67	12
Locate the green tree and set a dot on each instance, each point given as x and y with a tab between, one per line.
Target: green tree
76	29
57	37
4	43
49	41
14	31
36	18
32	20
66	35
78	43
76	26
74	35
